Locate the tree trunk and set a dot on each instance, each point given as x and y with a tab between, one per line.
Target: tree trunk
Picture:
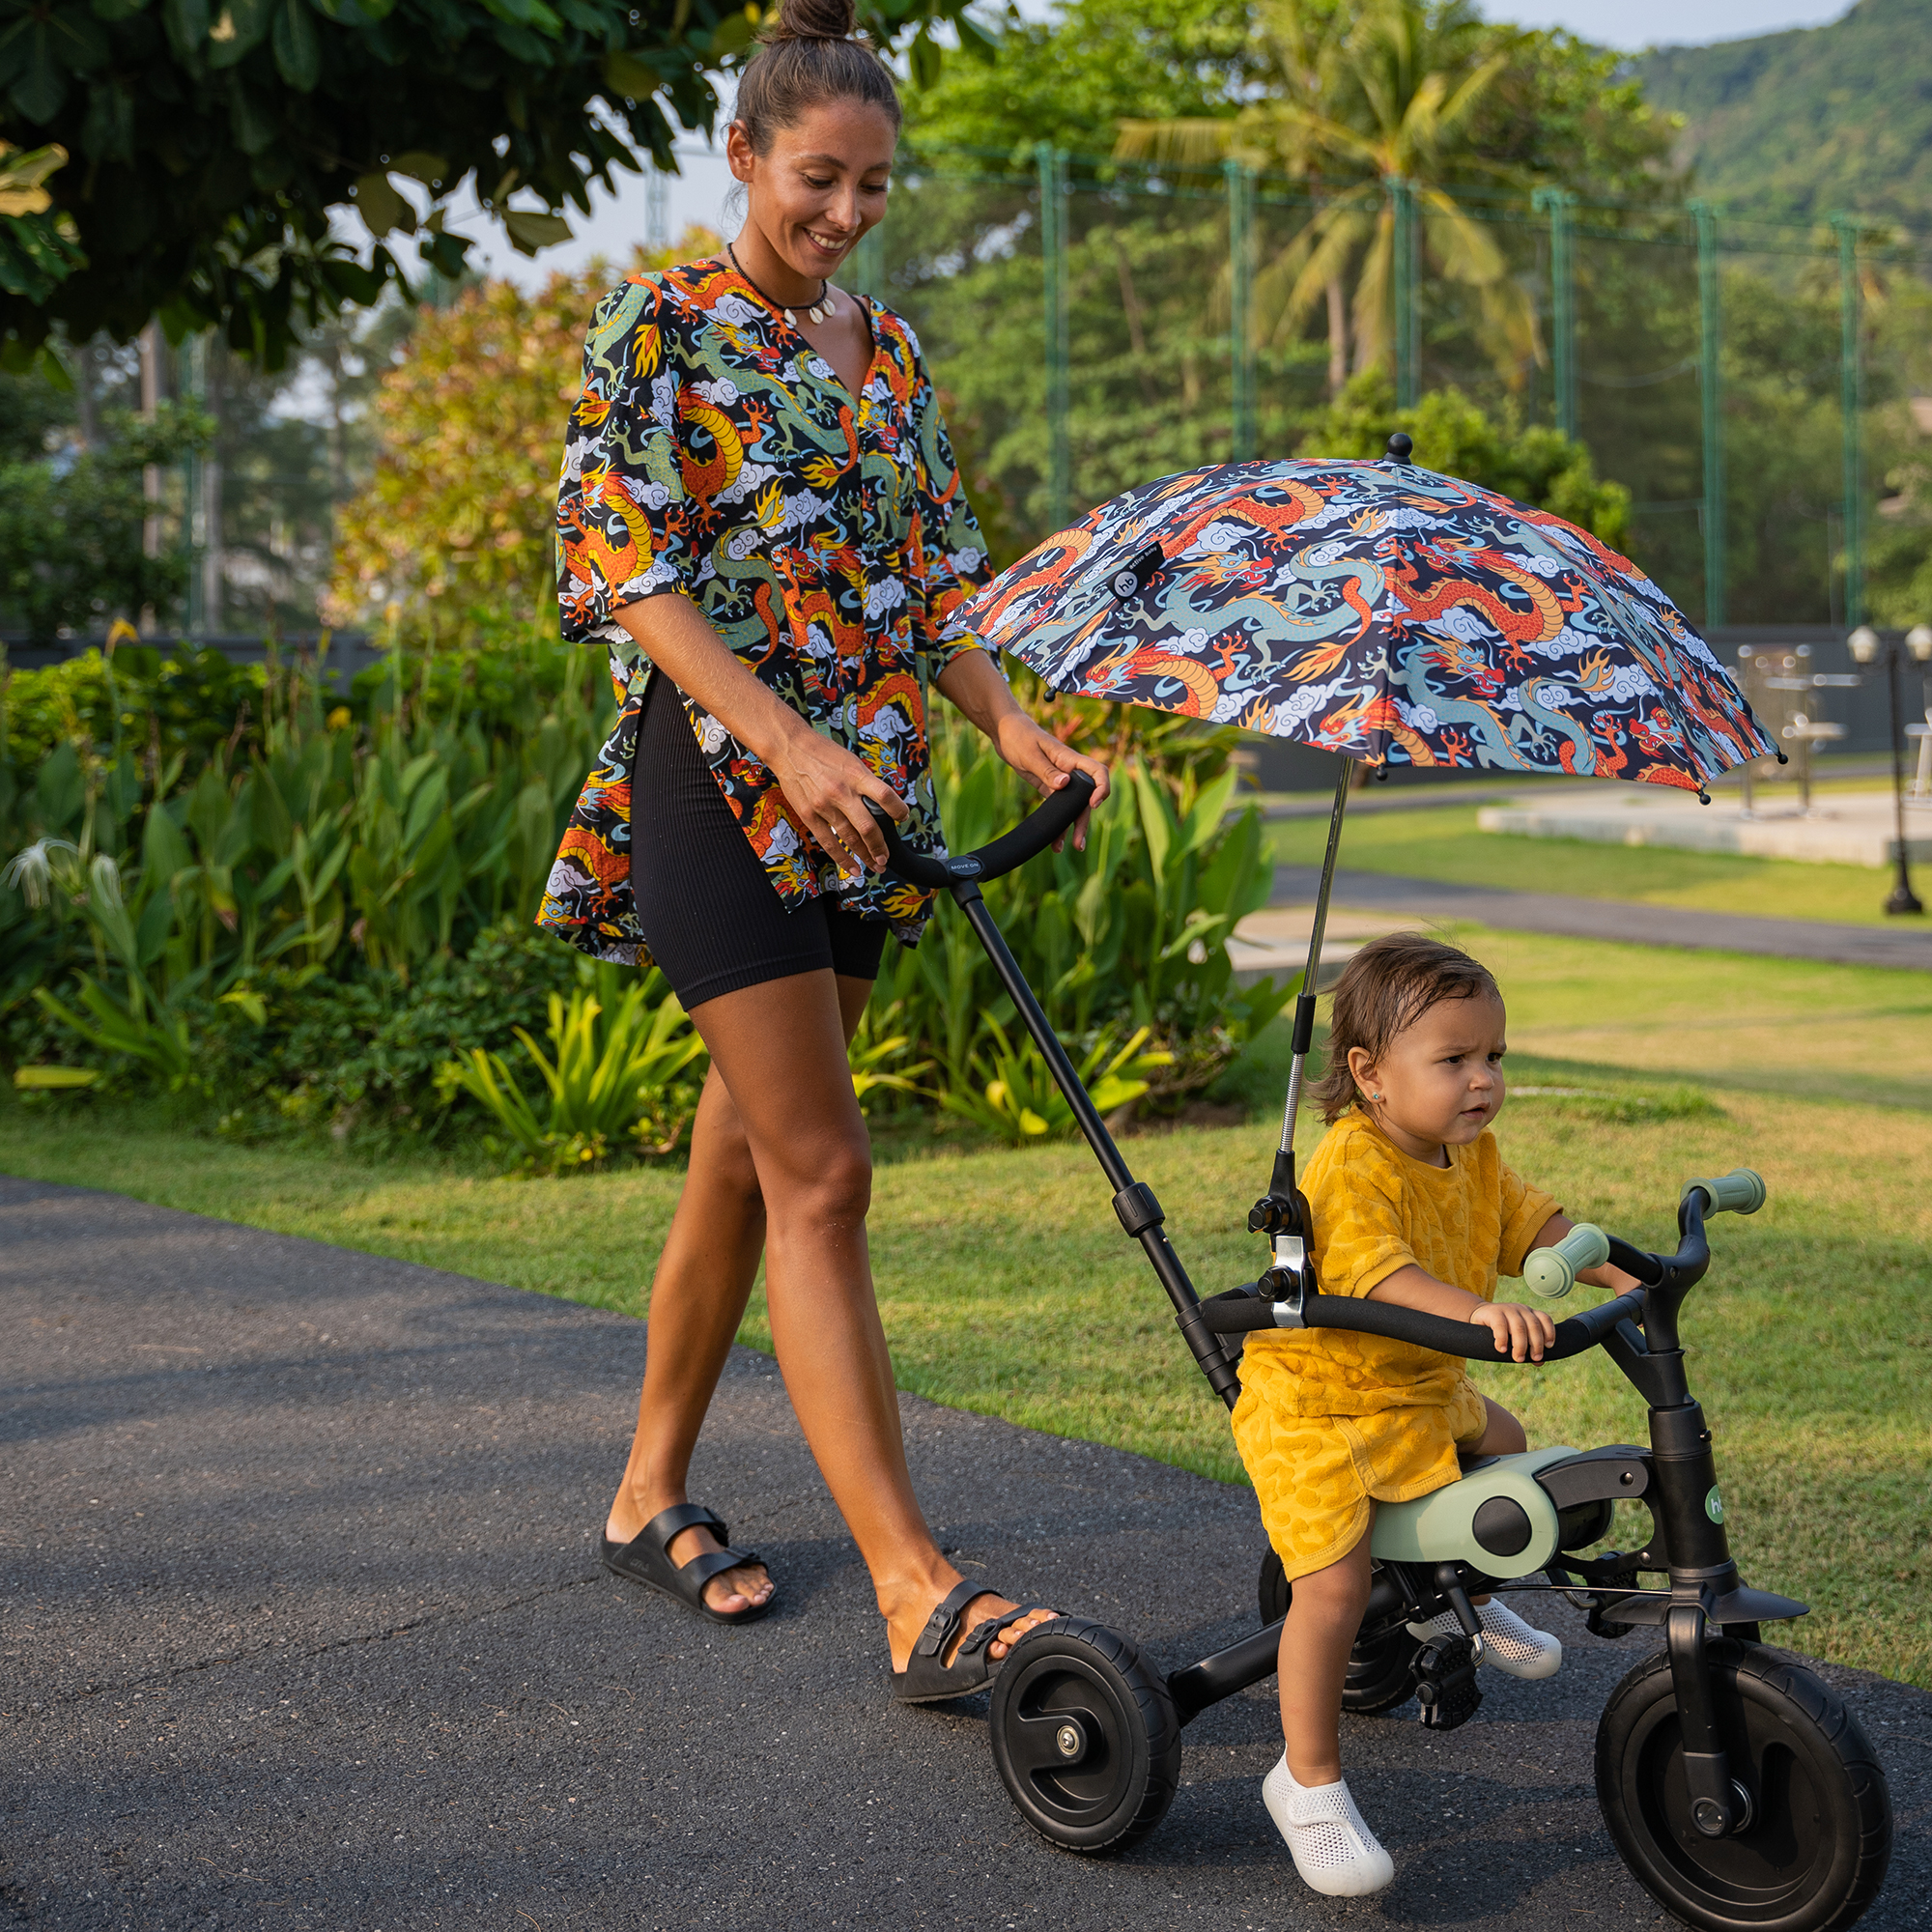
1130	303
213	567
1337	336
152	349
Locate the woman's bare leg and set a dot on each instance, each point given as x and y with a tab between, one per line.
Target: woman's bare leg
703	1280
778	1049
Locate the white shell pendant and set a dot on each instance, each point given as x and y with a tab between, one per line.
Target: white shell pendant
822	310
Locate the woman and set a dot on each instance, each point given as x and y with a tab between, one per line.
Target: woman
758	494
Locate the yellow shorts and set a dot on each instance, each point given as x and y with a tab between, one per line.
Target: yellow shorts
1316	1475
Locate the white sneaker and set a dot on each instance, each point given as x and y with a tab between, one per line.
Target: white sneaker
1512	1646
1335	1852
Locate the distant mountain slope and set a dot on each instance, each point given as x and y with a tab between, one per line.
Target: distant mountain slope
1797	125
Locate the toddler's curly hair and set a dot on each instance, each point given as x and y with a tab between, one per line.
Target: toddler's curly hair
1383	990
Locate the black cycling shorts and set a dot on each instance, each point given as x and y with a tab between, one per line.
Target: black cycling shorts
710	914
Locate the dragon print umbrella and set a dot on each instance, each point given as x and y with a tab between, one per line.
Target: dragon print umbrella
1380	610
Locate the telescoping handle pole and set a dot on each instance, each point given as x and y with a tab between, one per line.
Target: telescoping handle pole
1140	1214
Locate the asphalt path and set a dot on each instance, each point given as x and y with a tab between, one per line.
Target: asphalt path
304	1627
1907	945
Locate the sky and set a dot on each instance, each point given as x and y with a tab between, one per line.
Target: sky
698	195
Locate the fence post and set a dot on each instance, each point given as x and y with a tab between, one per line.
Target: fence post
1241	266
1407	336
1053	259
1851	402
1558	204
1710	374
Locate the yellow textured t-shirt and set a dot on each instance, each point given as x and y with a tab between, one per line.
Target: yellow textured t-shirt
1377	1210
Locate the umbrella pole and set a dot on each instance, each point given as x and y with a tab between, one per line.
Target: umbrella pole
1278	1214
1304	1005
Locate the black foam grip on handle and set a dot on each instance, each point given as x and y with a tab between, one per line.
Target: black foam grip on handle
916	868
1034	834
1052	819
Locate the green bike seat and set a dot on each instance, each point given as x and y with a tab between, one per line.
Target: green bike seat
1496	1518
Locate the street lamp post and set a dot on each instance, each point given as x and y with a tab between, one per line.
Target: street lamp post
1865	645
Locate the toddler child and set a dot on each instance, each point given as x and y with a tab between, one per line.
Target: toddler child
1412	1203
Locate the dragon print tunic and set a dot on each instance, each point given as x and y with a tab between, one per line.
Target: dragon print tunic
826	537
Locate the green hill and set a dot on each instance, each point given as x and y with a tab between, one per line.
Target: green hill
1797	125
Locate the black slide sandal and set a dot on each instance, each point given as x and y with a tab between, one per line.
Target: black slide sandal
646	1559
925	1680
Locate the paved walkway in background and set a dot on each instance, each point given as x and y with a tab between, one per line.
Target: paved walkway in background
305	1629
1906	943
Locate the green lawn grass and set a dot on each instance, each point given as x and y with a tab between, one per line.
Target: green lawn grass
1442	842
1007	1287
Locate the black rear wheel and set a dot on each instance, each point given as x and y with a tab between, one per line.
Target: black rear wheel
1381	1666
1812	1852
1086	1736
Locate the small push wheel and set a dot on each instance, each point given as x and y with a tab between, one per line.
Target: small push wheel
1381	1666
1086	1736
1813	1848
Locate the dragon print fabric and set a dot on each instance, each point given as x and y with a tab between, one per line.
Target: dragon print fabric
825	536
1380	610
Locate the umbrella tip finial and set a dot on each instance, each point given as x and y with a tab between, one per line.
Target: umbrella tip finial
1400	448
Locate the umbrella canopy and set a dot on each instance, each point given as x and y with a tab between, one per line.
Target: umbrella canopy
1384	612
1380	610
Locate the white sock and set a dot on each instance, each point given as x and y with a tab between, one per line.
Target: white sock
1333	1850
1512	1646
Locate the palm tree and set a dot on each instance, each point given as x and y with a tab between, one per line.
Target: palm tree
1391	92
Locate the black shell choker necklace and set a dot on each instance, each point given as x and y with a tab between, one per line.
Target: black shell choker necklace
822	310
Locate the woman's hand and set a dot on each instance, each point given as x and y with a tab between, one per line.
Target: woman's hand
823	782
973	682
828	787
1521	1334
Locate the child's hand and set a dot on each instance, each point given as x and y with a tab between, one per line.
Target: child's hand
1521	1332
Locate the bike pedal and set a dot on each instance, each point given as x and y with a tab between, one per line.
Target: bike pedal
1600	1625
1446	1685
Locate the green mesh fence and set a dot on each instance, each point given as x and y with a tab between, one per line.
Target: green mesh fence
1760	391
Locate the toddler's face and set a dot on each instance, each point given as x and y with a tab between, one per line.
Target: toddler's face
1441	1082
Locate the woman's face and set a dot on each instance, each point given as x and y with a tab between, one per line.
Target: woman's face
821	187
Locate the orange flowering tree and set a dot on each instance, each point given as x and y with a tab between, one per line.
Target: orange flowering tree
458	516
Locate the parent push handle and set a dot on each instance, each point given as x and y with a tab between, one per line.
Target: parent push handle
1034	834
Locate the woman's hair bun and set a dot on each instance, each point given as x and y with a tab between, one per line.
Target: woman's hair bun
812	20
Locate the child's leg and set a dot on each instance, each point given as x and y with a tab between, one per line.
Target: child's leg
1323	1615
1502	1434
1509	1642
1334	1849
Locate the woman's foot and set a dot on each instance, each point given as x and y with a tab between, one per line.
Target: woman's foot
906	1618
1515	1647
730	1592
1333	1850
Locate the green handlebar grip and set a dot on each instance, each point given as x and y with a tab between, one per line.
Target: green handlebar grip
1552	1272
1740	1191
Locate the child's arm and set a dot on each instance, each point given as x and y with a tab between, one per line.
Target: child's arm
1614	1279
1521	1334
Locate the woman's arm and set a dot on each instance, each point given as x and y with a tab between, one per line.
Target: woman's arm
1521	1332
823	782
971	681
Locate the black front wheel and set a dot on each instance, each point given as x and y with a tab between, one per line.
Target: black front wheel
1086	1736
1814	1849
1381	1666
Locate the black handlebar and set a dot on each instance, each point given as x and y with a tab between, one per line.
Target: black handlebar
1244	1311
1665	1280
1032	834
